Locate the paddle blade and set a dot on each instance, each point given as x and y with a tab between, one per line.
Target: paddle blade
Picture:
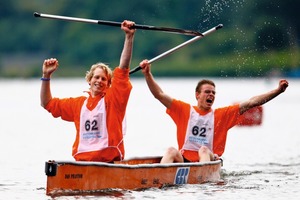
252	117
135	69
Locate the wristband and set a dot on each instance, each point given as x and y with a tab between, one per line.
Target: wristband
45	79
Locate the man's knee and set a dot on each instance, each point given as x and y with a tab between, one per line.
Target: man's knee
171	151
204	150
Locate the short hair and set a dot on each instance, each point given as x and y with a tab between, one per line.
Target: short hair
104	67
202	82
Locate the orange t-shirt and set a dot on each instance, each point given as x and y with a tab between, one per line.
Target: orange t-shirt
224	119
116	100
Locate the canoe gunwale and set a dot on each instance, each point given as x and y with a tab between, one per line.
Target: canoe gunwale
149	165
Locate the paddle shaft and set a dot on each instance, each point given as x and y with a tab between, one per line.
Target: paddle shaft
178	47
118	24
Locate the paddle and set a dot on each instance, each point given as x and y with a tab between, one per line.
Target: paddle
178	47
118	24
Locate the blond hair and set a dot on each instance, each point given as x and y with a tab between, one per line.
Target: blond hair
104	67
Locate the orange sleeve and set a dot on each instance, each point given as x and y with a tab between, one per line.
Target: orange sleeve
116	100
120	89
180	113
66	108
225	118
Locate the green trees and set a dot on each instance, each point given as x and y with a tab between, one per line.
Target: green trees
258	36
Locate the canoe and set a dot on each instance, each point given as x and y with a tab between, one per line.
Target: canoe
76	177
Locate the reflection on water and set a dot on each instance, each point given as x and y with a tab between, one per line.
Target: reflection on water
259	162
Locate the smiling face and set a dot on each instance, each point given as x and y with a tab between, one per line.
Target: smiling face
99	82
205	96
99	78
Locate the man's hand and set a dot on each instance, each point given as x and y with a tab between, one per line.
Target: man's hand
49	66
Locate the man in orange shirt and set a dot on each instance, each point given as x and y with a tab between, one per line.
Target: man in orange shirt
98	118
202	131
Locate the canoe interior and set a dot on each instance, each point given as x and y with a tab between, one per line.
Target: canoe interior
136	161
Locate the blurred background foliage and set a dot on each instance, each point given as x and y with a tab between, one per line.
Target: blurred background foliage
259	37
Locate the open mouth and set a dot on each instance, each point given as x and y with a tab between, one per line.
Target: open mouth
209	101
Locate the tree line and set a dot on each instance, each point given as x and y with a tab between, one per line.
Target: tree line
258	37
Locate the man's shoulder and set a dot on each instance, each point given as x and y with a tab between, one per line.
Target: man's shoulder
230	108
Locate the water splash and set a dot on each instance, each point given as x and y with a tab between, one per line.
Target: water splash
213	9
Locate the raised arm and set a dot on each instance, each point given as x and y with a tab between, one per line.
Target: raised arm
153	86
263	98
49	66
128	44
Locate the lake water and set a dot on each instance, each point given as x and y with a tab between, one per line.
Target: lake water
261	162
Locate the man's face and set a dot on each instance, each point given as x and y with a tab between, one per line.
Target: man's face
99	82
206	96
